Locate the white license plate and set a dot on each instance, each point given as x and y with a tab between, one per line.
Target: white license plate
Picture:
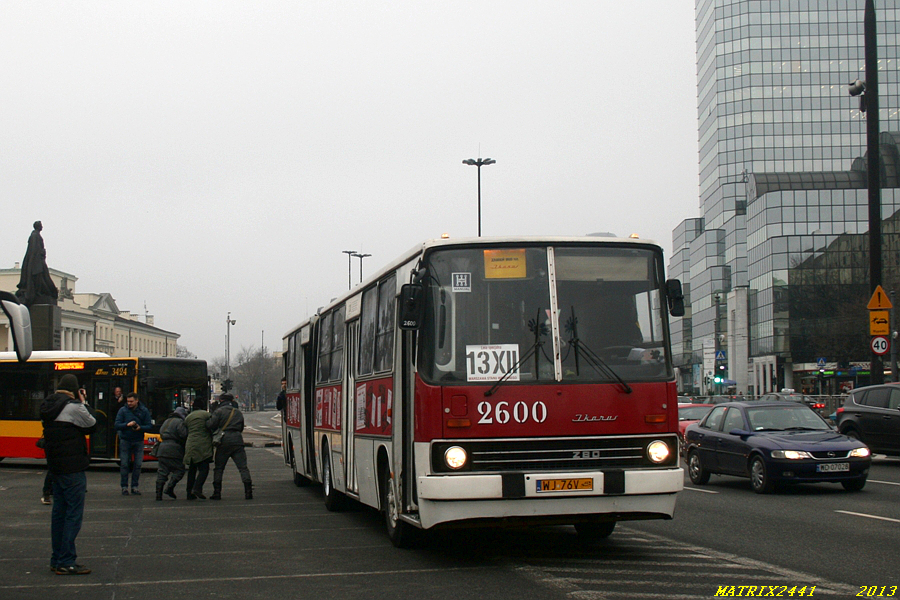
831	467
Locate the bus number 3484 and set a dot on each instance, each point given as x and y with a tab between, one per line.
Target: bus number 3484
502	413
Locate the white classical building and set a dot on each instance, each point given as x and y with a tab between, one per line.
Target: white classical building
93	322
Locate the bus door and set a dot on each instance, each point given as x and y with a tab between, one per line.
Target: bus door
308	399
101	398
349	408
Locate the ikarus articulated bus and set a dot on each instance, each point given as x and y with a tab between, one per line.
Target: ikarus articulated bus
493	381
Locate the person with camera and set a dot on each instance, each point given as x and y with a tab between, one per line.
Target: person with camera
67	420
132	421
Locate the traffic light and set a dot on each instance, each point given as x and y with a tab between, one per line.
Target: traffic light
718	379
227	385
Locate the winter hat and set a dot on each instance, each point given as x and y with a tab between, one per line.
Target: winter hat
181	412
68	383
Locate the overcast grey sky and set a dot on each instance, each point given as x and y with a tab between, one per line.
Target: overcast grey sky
206	157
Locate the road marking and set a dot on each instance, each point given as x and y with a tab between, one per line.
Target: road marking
856	514
704	491
884	482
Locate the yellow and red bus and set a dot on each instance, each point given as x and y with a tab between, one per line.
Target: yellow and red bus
504	380
162	384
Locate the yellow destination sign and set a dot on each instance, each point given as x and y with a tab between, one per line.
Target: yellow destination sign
879	322
879	300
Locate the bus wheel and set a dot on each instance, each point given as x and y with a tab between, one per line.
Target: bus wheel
299	480
333	498
592	532
401	533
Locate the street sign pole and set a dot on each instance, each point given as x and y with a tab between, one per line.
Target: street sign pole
893	342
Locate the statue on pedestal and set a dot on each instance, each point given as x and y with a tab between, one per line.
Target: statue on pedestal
35	285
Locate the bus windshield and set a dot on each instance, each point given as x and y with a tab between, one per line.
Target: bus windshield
543	314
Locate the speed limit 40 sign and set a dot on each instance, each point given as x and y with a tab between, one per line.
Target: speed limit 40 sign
880	344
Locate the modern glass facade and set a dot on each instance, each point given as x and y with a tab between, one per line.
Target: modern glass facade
782	176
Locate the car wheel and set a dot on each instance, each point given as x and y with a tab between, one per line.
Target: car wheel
698	475
759	476
851	433
854	485
593	532
333	498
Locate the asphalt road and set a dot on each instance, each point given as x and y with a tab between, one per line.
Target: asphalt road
285	544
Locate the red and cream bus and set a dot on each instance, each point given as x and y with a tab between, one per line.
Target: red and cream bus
161	383
493	381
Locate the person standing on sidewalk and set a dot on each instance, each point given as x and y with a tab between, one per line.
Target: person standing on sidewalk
132	421
67	420
198	451
173	434
228	417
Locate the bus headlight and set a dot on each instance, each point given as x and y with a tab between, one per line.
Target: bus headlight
658	451
455	457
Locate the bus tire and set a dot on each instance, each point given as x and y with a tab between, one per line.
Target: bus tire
593	532
333	498
401	533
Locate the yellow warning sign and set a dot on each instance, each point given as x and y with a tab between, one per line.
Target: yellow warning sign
879	300
879	322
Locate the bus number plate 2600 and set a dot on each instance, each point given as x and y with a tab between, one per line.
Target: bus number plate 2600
565	485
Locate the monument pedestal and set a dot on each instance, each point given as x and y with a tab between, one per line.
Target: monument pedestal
46	326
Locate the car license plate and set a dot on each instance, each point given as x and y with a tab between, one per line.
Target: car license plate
565	485
831	467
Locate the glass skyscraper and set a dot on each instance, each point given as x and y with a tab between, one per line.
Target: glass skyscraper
783	197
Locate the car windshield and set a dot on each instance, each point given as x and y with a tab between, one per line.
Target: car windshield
784	418
692	413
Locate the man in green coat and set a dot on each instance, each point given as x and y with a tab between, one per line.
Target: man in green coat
198	451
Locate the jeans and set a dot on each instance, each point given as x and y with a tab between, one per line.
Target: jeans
47	490
66	516
127	450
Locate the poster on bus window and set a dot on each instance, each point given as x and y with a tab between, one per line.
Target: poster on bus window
374	401
490	362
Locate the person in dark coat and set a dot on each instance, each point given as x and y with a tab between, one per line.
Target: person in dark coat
281	401
132	421
67	420
198	451
229	418
173	435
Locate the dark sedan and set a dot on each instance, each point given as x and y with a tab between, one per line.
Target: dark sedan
773	443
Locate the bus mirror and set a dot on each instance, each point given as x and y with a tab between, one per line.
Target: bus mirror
412	306
19	325
676	297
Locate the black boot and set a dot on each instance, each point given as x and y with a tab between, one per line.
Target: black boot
159	490
170	492
217	491
248	491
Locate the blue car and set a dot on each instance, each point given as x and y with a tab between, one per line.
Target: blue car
773	443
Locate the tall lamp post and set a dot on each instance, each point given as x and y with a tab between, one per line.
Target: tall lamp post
360	256
868	102
350	254
479	162
228	323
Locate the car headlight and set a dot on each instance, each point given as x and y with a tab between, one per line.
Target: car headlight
455	457
791	454
860	452
658	451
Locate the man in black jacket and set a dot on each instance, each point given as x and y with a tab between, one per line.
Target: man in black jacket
228	418
67	420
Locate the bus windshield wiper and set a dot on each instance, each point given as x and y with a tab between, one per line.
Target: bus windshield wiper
539	329
590	356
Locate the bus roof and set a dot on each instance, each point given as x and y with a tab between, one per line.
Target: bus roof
55	355
421	248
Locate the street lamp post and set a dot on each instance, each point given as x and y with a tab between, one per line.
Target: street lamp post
868	92
228	323
350	254
479	162
360	256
